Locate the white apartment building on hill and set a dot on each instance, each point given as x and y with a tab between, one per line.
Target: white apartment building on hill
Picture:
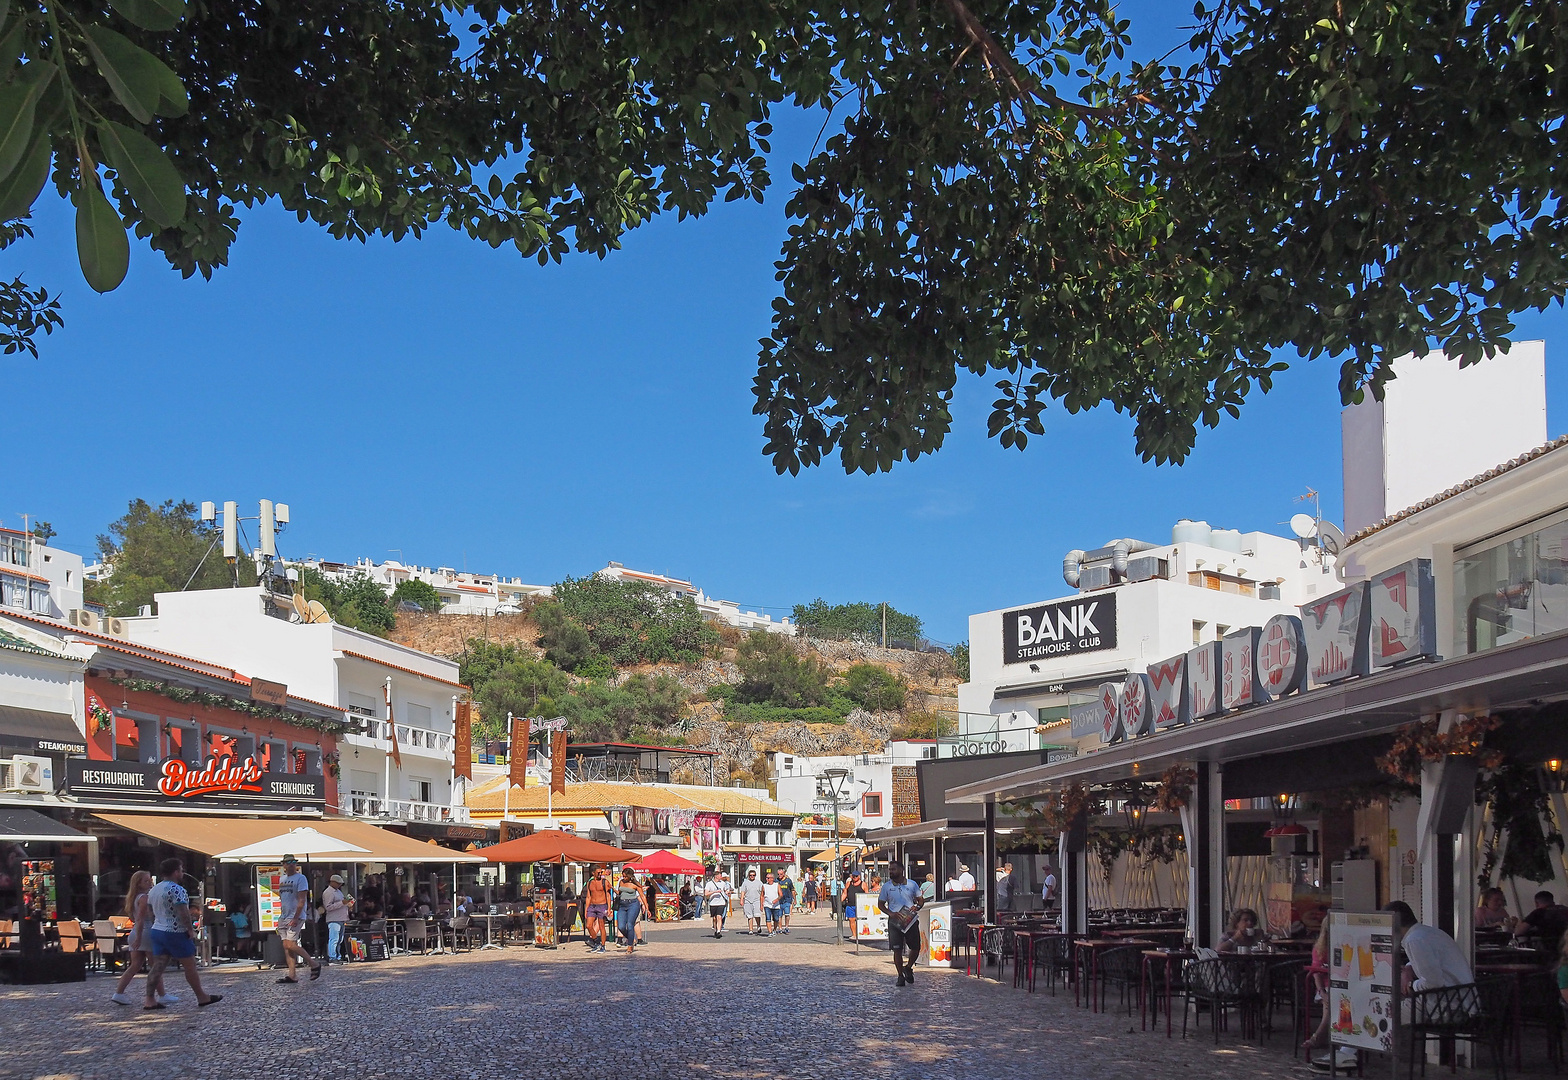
256	631
37	579
1135	603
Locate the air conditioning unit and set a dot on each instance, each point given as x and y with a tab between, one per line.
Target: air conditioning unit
82	619
32	774
114	626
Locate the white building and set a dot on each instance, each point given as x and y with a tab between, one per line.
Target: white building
1136	603
36	578
723	611
871	782
258	632
462	592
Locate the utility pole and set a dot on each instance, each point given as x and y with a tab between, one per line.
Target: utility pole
884	624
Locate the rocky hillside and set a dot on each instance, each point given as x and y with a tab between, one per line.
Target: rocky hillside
930	704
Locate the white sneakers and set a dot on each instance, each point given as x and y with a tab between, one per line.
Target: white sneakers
120	999
163	999
168	999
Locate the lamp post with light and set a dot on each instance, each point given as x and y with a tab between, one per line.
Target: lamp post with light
834	784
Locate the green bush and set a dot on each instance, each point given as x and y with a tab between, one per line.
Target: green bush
774	673
417	592
855	622
742	713
874	688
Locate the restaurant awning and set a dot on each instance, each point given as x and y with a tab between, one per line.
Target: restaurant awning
213	835
33	729
924	830
19	825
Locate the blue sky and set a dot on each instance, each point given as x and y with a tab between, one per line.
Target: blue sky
466	407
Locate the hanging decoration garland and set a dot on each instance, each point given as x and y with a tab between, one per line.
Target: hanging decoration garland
1420	742
101	715
187	696
1174	790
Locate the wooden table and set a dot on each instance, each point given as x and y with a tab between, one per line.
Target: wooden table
1086	952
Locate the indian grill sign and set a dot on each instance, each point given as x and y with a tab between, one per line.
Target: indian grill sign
1082	624
1370	625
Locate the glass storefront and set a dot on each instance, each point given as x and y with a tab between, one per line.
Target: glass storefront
1512	590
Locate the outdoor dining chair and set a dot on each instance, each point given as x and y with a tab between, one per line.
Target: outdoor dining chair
108	946
416	932
1122	966
1223	987
1541	1006
996	947
1479	1013
462	931
70	931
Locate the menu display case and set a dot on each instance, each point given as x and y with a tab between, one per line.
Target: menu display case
38	890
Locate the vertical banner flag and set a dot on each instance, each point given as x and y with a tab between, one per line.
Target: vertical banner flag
558	762
397	755
463	740
517	753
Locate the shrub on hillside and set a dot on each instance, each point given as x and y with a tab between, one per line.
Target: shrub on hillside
874	688
775	672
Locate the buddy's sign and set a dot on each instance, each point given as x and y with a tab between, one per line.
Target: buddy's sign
1371	625
227	780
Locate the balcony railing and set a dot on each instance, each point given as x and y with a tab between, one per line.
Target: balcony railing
411	737
374	806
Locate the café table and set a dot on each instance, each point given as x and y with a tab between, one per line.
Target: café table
489	921
1518	971
1167	959
1086	963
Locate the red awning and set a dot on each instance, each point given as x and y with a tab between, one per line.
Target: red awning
666	862
555	846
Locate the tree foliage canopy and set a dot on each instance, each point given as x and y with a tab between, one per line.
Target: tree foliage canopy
153	549
625	622
414	591
1005	191
357	602
856	622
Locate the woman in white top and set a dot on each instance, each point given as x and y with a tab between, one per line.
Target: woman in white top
140	913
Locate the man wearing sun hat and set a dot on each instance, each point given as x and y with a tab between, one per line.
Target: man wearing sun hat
335	906
293	904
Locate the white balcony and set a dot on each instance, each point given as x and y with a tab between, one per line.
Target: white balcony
409	738
362	805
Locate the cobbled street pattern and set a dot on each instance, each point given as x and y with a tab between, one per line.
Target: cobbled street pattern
684	1006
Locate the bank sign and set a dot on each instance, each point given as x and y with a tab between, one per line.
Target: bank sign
1372	625
1083	624
219	782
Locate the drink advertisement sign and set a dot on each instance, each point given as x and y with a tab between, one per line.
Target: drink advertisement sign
1363	1011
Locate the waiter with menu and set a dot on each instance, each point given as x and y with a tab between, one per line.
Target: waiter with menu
900	898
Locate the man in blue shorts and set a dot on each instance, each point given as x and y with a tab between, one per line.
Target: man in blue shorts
173	934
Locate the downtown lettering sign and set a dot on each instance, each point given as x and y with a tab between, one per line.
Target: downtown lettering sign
1083	624
218	782
1371	625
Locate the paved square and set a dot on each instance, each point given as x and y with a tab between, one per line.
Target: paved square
686	1005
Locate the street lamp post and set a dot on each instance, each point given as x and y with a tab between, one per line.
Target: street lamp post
831	784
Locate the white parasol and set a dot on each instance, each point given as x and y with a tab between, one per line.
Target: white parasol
301	841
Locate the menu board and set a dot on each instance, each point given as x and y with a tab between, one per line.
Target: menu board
544	918
667	907
1361	980
38	891
269	901
870	920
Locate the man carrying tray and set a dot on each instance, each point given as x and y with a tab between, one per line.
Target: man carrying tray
900	898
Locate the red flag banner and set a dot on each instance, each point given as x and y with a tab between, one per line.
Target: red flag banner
463	741
397	755
518	752
558	762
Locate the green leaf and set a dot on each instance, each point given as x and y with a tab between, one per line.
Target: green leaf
21	188
172	98
154	182
101	243
132	72
151	14
18	104
11	43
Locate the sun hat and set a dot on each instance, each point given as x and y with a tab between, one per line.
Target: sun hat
336	879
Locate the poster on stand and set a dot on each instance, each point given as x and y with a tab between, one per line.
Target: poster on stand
1363	1009
269	903
544	919
936	932
870	921
667	907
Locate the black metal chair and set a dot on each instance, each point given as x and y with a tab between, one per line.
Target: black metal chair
1124	967
1541	1006
1053	954
996	947
1478	1013
1224	987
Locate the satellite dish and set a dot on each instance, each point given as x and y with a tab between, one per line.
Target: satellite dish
1304	526
1332	539
300	609
318	614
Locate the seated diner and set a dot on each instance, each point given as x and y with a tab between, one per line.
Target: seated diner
1242	933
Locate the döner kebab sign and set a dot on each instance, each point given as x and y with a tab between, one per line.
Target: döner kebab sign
1371	625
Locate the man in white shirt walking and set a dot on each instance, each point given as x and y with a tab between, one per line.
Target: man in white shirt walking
716	895
173	934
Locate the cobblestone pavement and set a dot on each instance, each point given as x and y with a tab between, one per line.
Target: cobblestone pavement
686	1005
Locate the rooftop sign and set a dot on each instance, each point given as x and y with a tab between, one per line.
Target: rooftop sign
1079	625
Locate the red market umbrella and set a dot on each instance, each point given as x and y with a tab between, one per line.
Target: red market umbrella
555	846
666	862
